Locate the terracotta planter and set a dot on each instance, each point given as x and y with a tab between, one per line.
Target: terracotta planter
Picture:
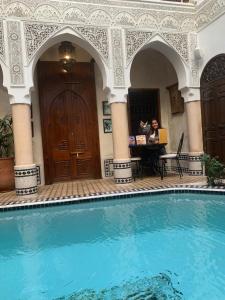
7	181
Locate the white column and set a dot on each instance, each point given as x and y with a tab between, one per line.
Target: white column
120	134
194	125
25	169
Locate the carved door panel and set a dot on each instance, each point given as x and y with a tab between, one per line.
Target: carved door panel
213	107
58	135
81	139
69	122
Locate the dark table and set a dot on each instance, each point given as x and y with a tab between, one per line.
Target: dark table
138	150
149	154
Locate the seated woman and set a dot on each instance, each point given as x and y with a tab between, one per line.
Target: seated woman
151	156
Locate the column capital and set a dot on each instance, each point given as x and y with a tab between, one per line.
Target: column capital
190	94
118	95
19	96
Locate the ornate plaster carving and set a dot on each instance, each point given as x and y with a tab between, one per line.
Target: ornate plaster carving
47	12
98	37
134	41
179	41
36	34
147	20
101	12
15	50
208	11
169	23
118	62
124	18
100	17
123	13
193	62
2	46
73	14
18	9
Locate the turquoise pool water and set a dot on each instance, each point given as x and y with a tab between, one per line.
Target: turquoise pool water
159	247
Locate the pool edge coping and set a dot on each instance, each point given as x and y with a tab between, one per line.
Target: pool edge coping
67	200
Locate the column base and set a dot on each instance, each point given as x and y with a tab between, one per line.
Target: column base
25	180
122	171
195	164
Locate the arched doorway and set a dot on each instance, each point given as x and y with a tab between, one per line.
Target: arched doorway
152	75
69	121
213	106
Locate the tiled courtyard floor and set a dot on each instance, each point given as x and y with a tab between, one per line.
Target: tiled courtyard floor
86	188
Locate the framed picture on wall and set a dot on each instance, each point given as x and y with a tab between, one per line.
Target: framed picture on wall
106	108
176	101
107	125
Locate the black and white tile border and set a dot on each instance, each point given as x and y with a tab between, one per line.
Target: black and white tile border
185	159
123	180
25	180
108	165
103	196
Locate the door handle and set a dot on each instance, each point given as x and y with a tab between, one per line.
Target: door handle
77	153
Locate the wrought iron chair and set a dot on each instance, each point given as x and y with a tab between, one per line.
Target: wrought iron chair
172	156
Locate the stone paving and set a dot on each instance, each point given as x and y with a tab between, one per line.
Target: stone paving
87	188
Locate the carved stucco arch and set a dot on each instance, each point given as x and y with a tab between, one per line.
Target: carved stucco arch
69	34
159	44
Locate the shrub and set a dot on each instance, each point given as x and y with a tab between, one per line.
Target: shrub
214	169
6	137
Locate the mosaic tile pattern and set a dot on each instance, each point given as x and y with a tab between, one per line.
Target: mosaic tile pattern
86	189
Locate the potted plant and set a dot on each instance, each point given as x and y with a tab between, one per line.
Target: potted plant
214	169
7	181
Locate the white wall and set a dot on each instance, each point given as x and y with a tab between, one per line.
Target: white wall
106	147
211	40
151	69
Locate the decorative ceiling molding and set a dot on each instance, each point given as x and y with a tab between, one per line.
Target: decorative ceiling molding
2	44
105	14
208	11
36	34
167	16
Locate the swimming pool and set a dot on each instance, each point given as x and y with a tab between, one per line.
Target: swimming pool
149	246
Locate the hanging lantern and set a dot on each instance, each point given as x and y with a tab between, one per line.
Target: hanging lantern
67	56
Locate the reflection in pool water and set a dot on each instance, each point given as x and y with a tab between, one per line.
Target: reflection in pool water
116	246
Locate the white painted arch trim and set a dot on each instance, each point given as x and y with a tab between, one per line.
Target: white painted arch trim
158	43
67	33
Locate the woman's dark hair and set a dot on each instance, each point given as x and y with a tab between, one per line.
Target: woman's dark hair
154	119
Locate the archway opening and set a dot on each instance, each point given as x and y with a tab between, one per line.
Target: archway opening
154	94
66	113
213	108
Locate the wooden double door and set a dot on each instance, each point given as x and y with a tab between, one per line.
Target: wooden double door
69	122
213	107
